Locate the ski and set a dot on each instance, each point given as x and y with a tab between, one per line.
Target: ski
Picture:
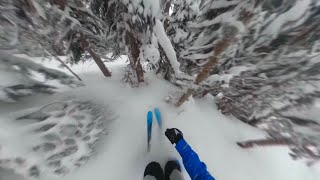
149	128
158	117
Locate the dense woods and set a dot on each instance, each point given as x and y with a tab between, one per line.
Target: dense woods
258	58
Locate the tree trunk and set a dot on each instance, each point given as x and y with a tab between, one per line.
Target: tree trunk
99	62
165	65
220	47
264	142
86	45
64	64
135	54
185	97
31	8
166	15
61	3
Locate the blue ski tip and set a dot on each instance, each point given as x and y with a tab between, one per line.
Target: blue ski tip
158	116
149	128
149	117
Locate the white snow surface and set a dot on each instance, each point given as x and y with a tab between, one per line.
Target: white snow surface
122	154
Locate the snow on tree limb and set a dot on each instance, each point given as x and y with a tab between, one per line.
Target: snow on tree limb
39	9
219	49
223	4
165	43
21	77
51	140
293	15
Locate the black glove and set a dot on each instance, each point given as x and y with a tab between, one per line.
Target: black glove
174	135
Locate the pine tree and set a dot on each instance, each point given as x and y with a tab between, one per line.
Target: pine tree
20	78
267	77
132	26
52	30
57	138
52	144
179	31
176	27
283	85
215	40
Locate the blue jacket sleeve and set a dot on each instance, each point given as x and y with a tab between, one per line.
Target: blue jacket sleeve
196	169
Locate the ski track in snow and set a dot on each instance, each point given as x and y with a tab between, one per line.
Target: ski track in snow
122	154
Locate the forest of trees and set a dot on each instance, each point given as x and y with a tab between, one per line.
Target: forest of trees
259	58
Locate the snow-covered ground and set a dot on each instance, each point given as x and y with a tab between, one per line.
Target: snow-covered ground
122	153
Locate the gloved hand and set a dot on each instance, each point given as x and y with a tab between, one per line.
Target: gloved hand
174	135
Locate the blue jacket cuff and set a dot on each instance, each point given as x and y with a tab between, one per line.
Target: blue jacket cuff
181	145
